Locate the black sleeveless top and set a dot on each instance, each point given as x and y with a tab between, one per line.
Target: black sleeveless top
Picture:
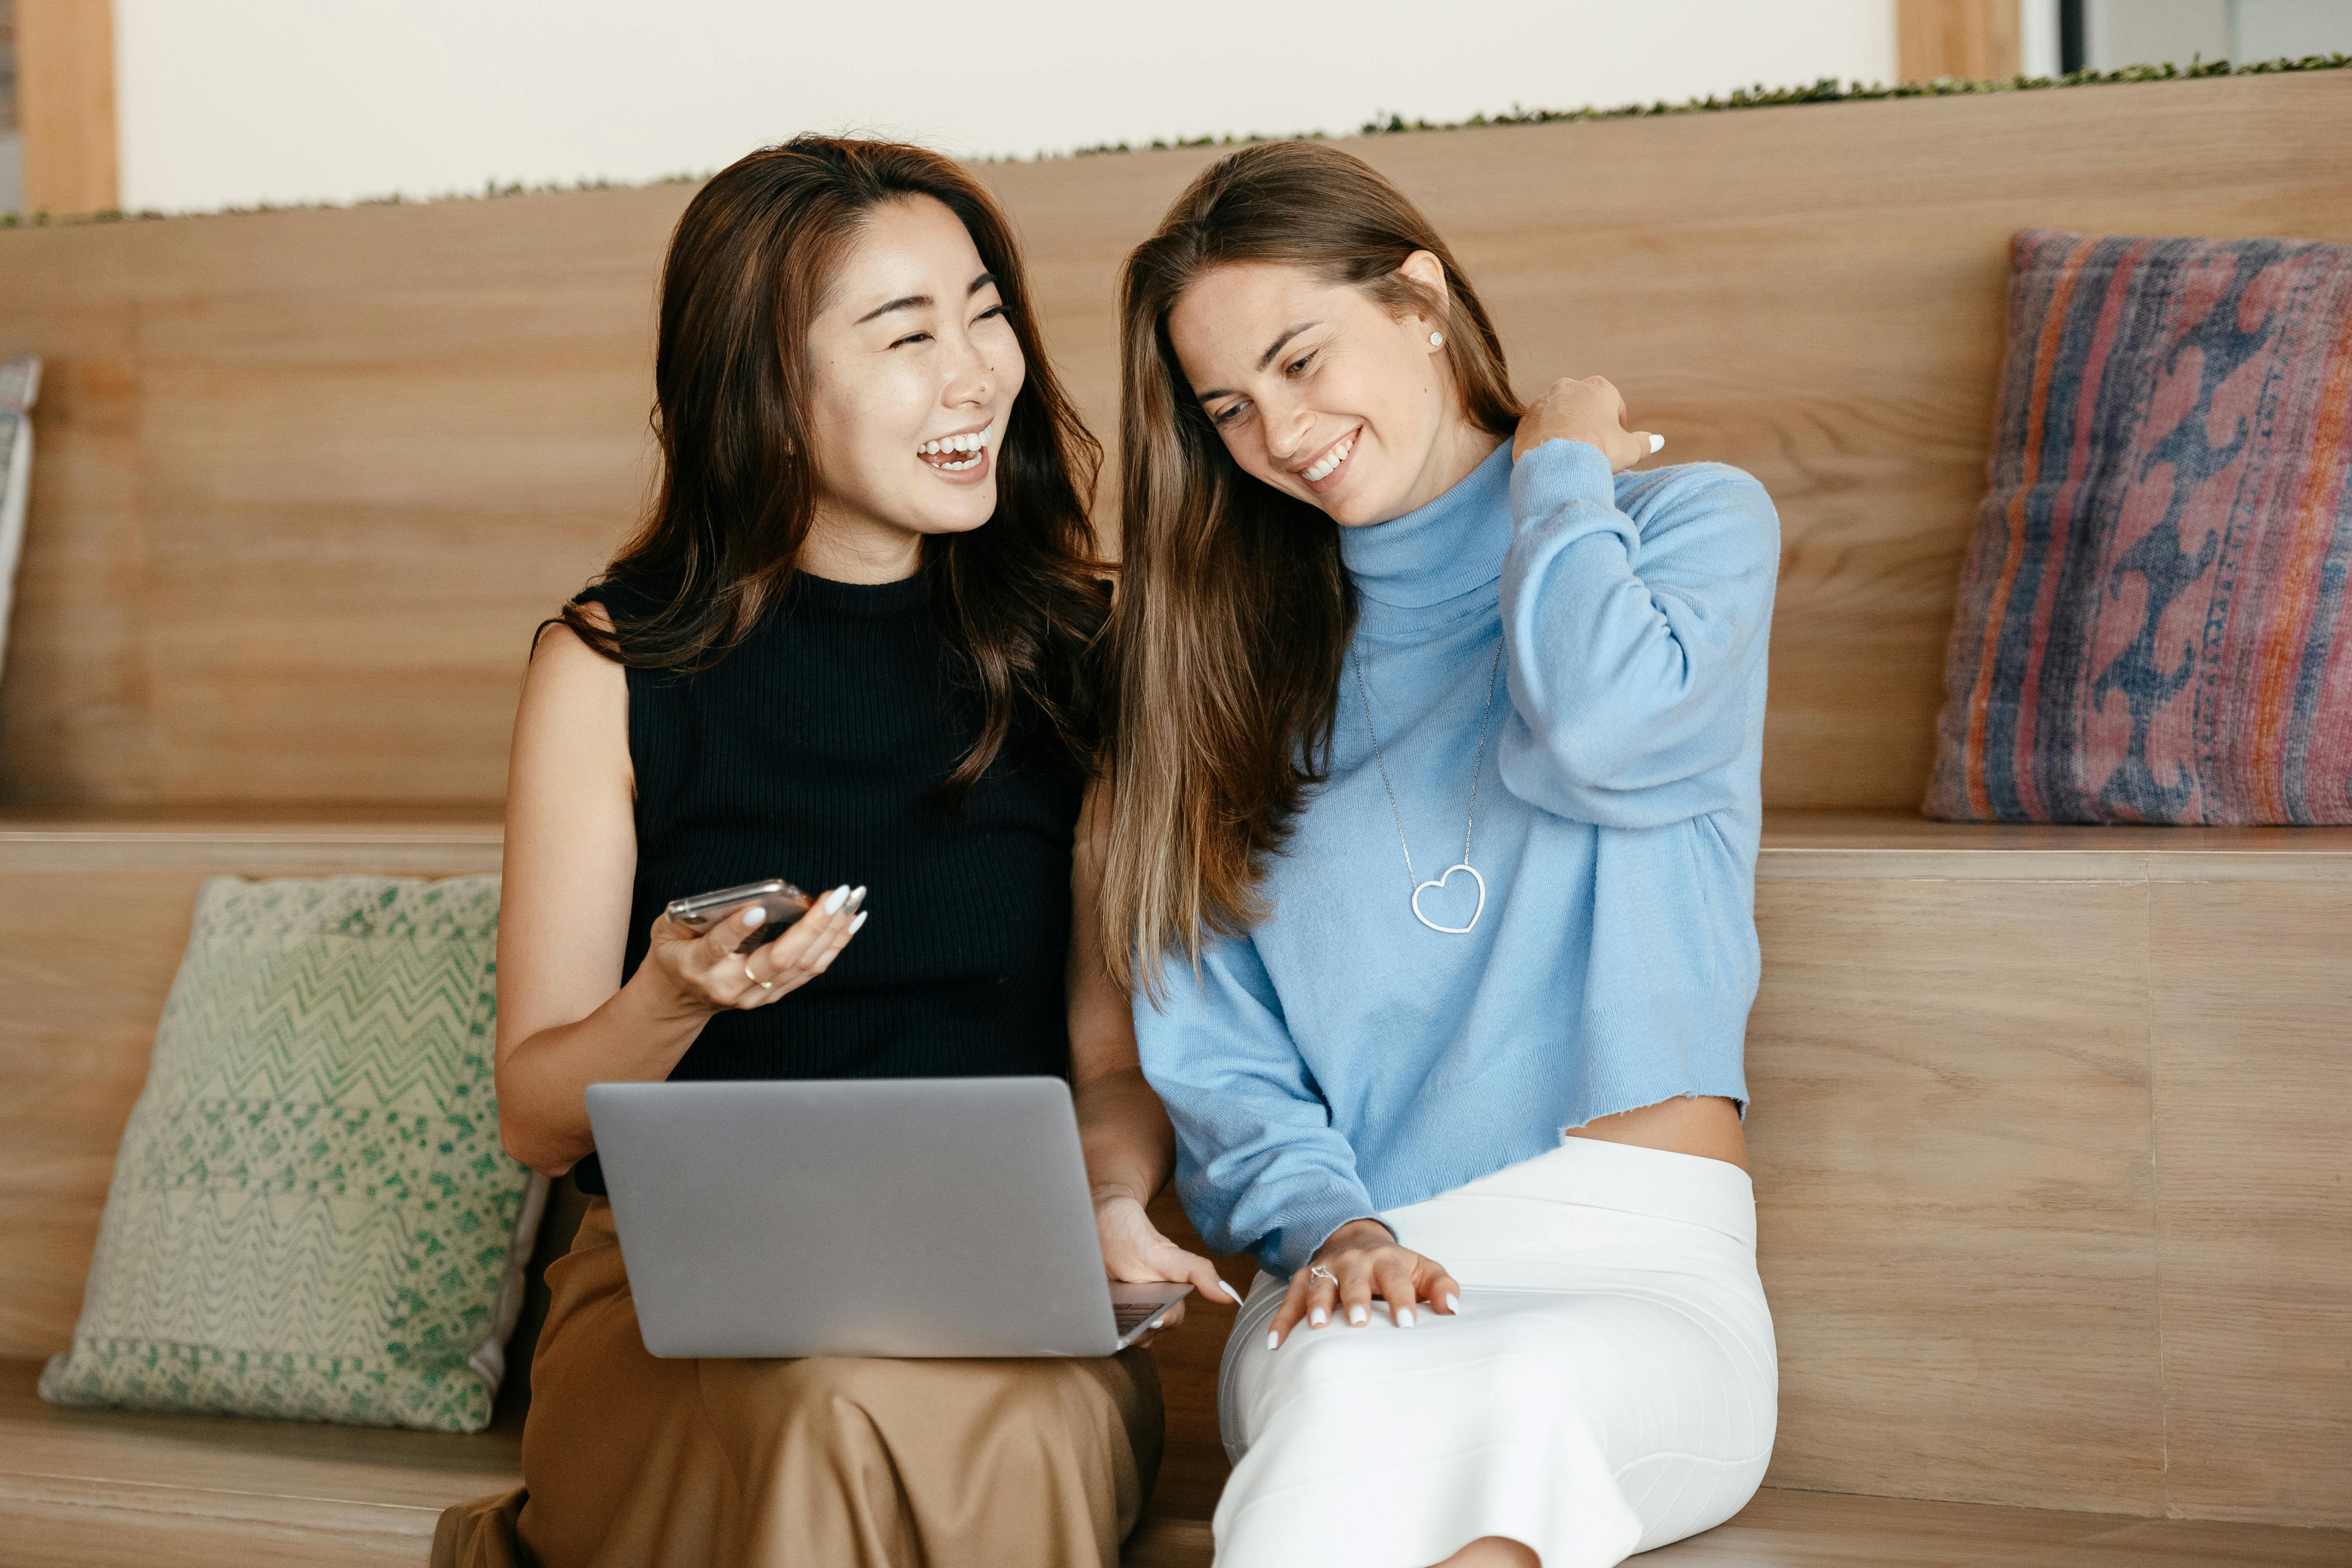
811	752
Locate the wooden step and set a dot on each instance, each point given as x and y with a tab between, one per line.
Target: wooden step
2054	1205
89	1487
1971	1045
308	479
84	1487
1784	1529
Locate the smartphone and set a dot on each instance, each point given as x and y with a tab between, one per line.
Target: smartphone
784	902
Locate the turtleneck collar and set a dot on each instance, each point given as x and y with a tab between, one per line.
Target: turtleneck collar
1441	551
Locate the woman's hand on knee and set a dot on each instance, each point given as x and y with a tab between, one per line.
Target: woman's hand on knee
702	974
1136	1253
1361	1260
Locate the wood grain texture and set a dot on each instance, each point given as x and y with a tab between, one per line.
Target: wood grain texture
1950	1134
1815	1530
1975	40
2254	1074
1837	846
1959	1140
1806	834
90	936
1170	1540
363	459
66	1522
2191	1543
308	479
1819	300
90	1487
102	1487
65	86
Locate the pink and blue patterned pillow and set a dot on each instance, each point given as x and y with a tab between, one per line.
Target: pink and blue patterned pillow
2151	623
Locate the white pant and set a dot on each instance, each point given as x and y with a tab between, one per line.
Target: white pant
1609	1387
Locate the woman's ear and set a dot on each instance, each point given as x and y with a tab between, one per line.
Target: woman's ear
1426	273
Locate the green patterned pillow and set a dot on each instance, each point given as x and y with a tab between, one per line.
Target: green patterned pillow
311	1216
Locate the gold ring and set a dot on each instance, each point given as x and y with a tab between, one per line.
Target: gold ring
763	984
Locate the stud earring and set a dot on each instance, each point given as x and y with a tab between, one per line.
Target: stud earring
1437	340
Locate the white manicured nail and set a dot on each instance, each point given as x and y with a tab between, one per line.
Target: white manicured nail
1656	442
859	921
1273	1340
1318	1317
856	897
835	899
1228	1286
1452	1302
754	915
1359	1317
1402	1317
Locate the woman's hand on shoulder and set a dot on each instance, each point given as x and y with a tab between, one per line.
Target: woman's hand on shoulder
1363	1260
1135	1253
1591	410
701	974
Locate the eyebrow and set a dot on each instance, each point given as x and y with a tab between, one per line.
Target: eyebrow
1264	360
916	302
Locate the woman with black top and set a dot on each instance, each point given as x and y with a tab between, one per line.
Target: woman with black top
847	649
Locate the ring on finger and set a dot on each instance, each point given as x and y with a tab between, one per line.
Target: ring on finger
1319	1272
763	984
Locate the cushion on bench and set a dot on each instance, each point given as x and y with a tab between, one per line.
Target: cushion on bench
2152	618
311	1215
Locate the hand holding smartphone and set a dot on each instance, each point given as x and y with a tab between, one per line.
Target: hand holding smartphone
784	902
714	961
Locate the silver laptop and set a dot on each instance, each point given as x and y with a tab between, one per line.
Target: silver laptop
872	1216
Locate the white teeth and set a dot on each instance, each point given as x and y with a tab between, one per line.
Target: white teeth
1332	459
969	441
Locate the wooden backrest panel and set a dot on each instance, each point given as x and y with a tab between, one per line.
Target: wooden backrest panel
307	480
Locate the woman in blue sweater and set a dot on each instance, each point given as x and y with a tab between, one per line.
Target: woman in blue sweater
1433	847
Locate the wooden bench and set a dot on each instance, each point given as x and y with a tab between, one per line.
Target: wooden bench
2053	1196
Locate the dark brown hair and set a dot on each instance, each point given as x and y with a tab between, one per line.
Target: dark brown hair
752	256
1225	647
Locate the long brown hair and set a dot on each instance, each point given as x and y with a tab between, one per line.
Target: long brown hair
1020	599
1224	653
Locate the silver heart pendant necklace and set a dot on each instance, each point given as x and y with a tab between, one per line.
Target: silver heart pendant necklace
1470	822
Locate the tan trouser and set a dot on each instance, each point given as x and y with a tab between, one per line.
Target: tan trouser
629	1459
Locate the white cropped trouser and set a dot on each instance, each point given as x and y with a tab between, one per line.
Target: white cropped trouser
1610	1386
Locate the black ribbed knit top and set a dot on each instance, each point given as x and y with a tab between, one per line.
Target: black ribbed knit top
811	752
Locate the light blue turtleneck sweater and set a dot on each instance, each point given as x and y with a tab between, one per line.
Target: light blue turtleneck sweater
1342	1058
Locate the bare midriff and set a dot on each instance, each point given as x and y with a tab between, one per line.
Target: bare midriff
1706	1125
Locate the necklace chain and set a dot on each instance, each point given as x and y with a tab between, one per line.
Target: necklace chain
1470	822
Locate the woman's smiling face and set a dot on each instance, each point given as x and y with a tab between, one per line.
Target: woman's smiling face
915	371
1317	390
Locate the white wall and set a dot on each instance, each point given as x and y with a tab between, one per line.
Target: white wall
2290	29
239	101
2118	33
2152	32
2037	38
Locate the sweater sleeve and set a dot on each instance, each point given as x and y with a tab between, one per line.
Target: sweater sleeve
1636	615
1258	1164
